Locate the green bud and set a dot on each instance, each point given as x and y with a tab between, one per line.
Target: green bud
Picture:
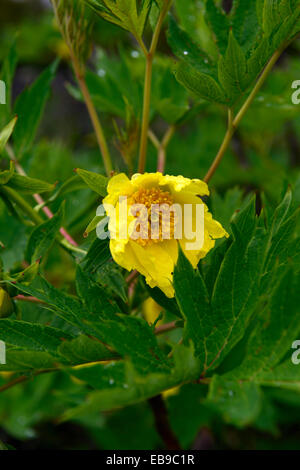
6	305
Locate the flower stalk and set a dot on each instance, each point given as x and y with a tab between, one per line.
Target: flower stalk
233	122
26	208
73	31
39	198
148	82
94	118
162	146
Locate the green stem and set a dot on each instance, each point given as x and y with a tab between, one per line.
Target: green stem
222	149
24	378
161	159
79	70
258	85
146	114
22	204
165	328
37	197
162	423
148	82
142	45
26	208
95	121
233	123
166	7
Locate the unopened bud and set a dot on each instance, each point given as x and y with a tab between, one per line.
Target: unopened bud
6	305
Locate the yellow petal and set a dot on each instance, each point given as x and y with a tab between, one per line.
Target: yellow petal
123	254
211	231
176	184
118	185
194	256
146	180
158	261
214	227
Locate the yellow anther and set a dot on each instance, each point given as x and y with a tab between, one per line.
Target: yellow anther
149	198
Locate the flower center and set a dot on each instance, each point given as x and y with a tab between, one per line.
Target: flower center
157	220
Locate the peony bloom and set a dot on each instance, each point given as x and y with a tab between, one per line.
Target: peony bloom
155	256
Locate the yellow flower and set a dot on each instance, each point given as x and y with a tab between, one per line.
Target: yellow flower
155	258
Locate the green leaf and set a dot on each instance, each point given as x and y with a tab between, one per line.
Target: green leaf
112	279
118	384
274	12
245	23
281	243
68	308
92	225
236	392
105	94
289	26
97	256
244	221
286	375
215	325
192	18
170	99
238	402
97	302
94	181
83	350
193	300
74	183
28	275
213	268
26	185
235	293
258	58
29	108
6	133
188	412
133	338
168	304
223	208
30	336
232	69
186	49
115	87
43	237
101	376
129	336
219	24
281	213
6	175
260	11
200	84
275	330
18	360
124	13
